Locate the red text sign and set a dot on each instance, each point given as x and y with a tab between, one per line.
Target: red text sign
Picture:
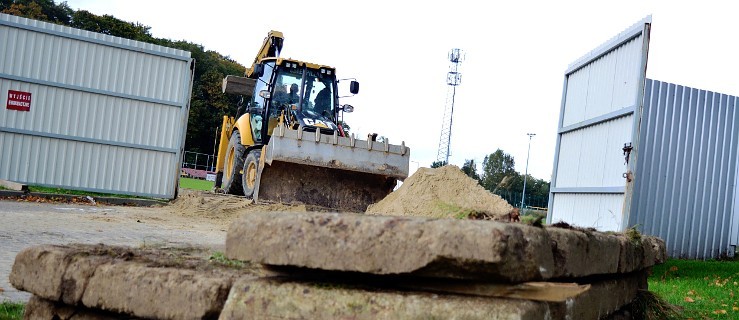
19	100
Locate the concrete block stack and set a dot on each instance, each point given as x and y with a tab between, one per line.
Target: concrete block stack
349	266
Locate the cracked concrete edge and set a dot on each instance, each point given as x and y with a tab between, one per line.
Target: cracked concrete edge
274	298
144	289
39	308
603	298
580	254
393	245
40	270
466	249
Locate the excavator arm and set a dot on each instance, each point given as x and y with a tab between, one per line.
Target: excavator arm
271	47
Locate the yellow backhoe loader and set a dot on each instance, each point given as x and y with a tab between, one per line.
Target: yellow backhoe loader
289	145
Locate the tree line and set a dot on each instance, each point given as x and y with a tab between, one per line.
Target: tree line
500	177
208	104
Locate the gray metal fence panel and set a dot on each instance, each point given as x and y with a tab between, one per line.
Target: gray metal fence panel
107	114
688	165
601	99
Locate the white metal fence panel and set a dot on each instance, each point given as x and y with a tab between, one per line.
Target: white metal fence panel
589	153
686	191
93	97
73	114
55	162
600	107
590	210
605	85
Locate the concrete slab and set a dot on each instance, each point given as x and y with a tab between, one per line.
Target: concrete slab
441	248
445	248
578	254
275	299
177	283
603	299
41	309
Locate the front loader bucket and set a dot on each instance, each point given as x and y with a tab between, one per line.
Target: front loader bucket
340	173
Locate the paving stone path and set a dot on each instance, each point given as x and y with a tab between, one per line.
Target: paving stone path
24	224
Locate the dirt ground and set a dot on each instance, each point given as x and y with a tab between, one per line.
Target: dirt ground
201	219
194	219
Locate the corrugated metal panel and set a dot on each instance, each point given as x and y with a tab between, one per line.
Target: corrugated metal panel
600	211
605	85
588	154
93	116
58	163
67	61
688	169
94	98
602	91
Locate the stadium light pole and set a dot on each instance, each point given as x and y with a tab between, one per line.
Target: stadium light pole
523	195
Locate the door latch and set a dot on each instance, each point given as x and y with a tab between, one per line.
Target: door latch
627	152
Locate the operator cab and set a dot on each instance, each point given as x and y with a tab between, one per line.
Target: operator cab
306	94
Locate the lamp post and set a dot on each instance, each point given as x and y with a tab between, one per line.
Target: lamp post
523	195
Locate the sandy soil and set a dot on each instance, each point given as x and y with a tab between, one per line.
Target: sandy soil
444	192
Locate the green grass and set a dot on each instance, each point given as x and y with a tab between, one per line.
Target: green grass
196	184
40	189
11	310
220	258
703	289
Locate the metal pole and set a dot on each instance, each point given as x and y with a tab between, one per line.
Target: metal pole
523	195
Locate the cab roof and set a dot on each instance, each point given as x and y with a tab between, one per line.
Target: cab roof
281	61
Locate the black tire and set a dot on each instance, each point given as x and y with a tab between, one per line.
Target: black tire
250	173
233	166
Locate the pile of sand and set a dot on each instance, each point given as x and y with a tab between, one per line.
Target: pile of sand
444	192
221	207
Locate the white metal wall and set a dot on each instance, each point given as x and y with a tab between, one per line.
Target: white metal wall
687	188
107	114
600	105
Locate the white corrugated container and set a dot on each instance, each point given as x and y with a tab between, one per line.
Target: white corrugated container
106	114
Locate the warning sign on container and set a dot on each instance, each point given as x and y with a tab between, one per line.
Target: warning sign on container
19	100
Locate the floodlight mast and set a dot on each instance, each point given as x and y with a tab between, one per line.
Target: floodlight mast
453	79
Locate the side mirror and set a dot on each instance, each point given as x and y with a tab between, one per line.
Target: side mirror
265	94
347	108
354	87
259	70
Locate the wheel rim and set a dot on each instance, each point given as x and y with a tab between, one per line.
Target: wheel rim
229	163
251	174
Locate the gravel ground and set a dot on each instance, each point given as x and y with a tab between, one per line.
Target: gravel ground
23	224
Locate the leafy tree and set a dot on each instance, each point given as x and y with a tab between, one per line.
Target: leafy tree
438	164
470	169
110	25
57	13
44	10
31	11
500	177
497	171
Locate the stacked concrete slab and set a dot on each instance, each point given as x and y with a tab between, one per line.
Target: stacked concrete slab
329	266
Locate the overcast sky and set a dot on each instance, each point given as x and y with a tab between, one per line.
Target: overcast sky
516	55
